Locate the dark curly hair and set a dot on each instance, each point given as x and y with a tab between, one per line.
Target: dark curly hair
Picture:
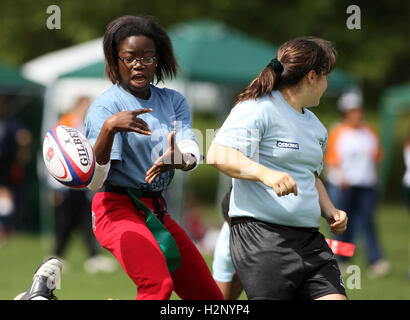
126	26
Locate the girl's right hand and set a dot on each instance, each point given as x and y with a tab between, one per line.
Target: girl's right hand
129	121
281	182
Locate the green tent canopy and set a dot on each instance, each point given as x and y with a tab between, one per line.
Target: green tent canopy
210	51
340	81
12	82
94	70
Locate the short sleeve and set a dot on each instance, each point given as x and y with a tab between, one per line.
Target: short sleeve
94	121
243	129
323	146
183	123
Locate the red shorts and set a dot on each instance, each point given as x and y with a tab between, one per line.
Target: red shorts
120	228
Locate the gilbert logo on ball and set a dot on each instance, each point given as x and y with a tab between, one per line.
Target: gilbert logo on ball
68	156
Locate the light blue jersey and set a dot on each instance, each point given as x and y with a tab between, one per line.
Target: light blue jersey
274	134
132	154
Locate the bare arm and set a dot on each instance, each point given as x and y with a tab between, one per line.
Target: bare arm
336	218
235	164
103	145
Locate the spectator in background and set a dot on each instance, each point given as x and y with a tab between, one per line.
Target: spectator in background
201	231
352	157
15	142
406	180
194	222
73	207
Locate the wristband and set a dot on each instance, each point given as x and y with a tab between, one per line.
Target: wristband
188	162
100	174
188	146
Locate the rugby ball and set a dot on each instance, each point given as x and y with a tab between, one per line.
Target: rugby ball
68	156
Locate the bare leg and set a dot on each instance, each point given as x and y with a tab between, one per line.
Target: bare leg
231	290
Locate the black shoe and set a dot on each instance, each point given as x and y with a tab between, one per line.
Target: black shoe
44	281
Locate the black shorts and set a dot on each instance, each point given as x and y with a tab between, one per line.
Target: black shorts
280	262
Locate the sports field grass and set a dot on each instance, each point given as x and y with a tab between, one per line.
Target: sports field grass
20	257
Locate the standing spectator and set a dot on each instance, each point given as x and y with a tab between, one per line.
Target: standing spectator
15	142
73	206
352	157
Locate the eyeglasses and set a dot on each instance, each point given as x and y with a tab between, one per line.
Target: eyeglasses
130	62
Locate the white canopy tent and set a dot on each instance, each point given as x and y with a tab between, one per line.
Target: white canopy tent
47	68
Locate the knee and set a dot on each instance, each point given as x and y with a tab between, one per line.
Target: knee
167	286
155	290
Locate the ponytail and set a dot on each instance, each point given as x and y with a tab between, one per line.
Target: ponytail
262	85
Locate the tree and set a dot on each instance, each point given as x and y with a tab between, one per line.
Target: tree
377	53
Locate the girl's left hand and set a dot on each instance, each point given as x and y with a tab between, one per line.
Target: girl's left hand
337	221
171	159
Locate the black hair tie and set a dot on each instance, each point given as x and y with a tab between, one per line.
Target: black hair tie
276	65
